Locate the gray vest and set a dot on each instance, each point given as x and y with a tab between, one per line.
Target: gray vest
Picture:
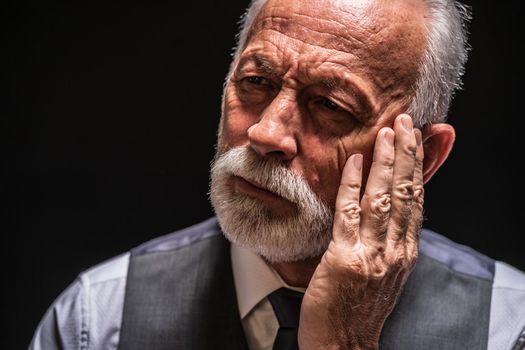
180	294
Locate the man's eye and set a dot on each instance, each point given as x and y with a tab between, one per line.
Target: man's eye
330	104
258	80
326	107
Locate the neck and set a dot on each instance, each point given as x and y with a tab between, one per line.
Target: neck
297	273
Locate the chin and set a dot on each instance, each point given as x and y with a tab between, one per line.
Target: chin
251	223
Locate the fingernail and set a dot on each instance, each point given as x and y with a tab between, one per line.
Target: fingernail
406	121
358	161
389	138
419	139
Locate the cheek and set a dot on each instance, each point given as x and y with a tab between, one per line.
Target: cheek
365	146
326	161
236	122
319	164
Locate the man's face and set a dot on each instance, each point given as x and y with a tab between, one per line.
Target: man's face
314	84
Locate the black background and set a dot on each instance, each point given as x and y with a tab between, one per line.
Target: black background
108	128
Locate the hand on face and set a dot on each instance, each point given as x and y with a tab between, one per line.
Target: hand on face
374	245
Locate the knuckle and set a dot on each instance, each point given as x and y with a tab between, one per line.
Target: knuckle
419	194
350	209
380	206
404	191
386	162
351	185
380	203
378	274
410	149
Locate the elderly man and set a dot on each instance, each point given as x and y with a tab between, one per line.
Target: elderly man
332	120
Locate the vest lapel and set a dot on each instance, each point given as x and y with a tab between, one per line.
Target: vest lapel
182	299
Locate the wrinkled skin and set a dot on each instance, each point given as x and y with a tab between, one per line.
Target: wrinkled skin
322	85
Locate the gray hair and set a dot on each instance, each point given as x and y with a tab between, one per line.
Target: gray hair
442	64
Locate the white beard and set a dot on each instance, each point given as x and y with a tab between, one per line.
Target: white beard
248	221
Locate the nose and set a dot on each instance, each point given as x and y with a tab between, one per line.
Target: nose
272	135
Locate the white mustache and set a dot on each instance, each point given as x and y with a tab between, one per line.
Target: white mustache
267	173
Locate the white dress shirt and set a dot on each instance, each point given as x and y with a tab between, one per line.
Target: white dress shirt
254	280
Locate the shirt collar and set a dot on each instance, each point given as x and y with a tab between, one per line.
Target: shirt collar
254	279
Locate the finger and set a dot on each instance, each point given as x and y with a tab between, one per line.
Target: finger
403	177
347	209
376	201
414	226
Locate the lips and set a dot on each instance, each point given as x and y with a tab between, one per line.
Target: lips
253	190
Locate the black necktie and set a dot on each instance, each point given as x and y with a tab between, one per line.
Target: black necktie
286	304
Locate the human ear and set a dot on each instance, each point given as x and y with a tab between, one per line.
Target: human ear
438	140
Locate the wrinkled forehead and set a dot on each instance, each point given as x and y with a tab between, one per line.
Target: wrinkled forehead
386	36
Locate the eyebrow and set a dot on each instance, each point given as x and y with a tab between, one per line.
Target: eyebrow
261	63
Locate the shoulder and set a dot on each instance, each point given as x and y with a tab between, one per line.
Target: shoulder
88	314
504	284
195	235
456	257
